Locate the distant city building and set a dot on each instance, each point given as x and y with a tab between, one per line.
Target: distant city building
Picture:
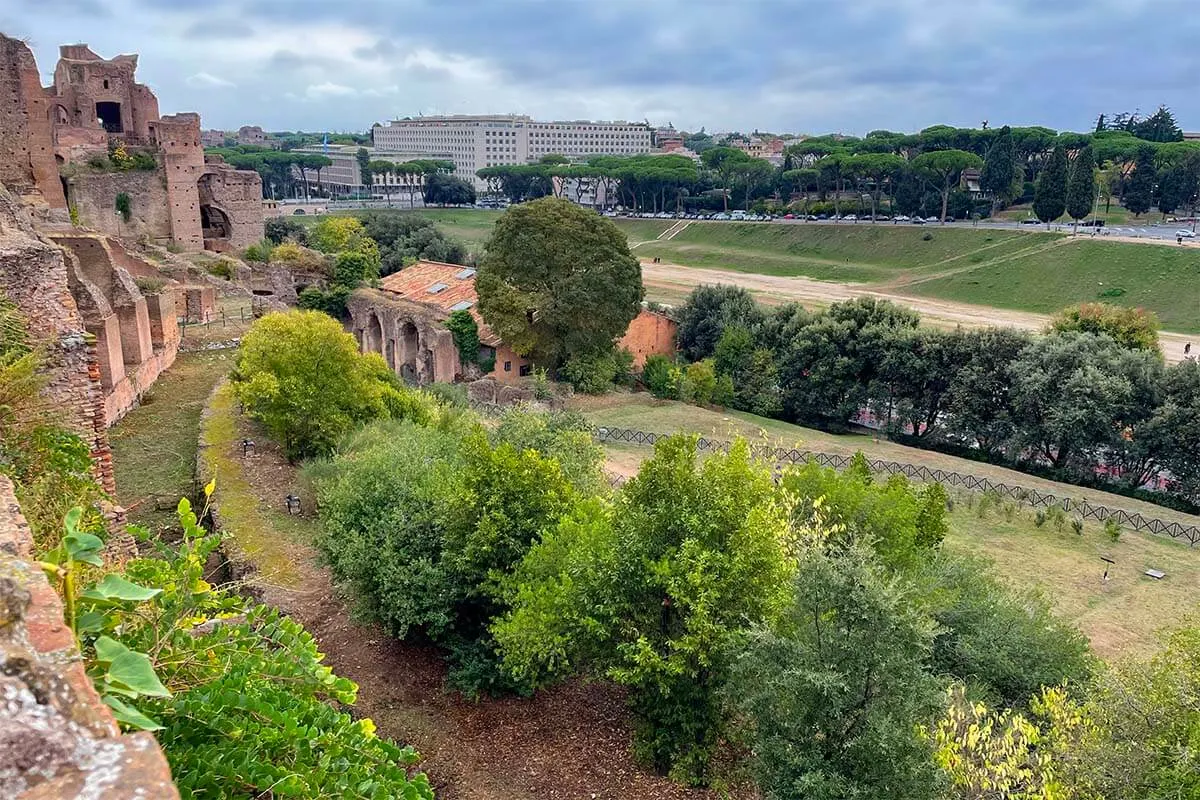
668	139
1191	136
344	176
256	136
769	148
473	142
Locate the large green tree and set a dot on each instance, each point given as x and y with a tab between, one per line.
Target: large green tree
1081	187
708	311
558	281
834	693
1050	194
1139	193
999	164
941	169
303	378
653	591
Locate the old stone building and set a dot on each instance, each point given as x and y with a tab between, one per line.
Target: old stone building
53	141
405	321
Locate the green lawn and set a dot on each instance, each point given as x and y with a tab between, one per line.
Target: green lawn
1121	616
847	251
1164	279
154	445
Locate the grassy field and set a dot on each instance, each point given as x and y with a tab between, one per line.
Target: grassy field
154	446
853	253
1021	270
1161	278
472	227
1122	615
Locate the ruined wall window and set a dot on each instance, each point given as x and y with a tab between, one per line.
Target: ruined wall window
508	366
109	116
525	370
106	83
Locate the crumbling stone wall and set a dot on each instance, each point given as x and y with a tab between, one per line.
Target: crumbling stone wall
26	131
94	195
238	195
33	276
57	739
137	335
412	338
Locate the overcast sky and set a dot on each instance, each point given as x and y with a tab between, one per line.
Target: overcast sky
787	65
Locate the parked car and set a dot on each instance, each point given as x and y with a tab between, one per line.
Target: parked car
789	216
918	221
1186	234
851	217
1031	221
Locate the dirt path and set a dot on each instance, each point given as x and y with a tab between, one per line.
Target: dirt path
572	742
677	280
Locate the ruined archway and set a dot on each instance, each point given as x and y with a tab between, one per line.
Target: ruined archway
214	221
410	343
372	341
108	114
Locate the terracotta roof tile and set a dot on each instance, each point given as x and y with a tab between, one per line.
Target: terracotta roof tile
414	282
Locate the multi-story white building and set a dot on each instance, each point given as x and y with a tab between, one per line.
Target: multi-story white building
473	142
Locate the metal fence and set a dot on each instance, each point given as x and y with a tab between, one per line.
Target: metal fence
220	318
973	483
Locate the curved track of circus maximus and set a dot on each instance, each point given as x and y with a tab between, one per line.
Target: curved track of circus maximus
670	283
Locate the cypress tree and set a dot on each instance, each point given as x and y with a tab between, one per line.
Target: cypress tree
1050	194
1081	188
1139	193
998	166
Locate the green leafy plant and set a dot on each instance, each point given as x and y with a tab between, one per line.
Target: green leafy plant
259	252
123	206
73	210
465	332
119	673
1077	526
1112	529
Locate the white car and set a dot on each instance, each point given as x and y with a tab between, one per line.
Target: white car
1186	234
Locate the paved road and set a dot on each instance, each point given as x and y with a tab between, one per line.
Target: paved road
675	280
1158	231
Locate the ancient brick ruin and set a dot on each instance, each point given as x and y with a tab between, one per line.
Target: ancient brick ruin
57	739
50	138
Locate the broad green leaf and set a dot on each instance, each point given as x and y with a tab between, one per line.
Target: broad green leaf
90	622
133	671
130	715
108	649
114	587
71	521
84	547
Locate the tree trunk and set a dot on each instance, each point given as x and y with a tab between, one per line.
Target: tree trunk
945	201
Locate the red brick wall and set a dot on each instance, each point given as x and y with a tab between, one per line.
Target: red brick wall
650	333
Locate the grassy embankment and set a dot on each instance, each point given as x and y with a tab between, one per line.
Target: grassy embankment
1121	615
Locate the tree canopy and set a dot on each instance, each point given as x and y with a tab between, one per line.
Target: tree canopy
558	281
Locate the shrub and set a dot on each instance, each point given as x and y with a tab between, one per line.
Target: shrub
1112	529
699	383
1006	645
300	258
840	680
465	332
259	252
250	710
123	206
654	590
73	211
1077	526
221	268
658	376
303	378
1039	518
597	373
1134	328
280	229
